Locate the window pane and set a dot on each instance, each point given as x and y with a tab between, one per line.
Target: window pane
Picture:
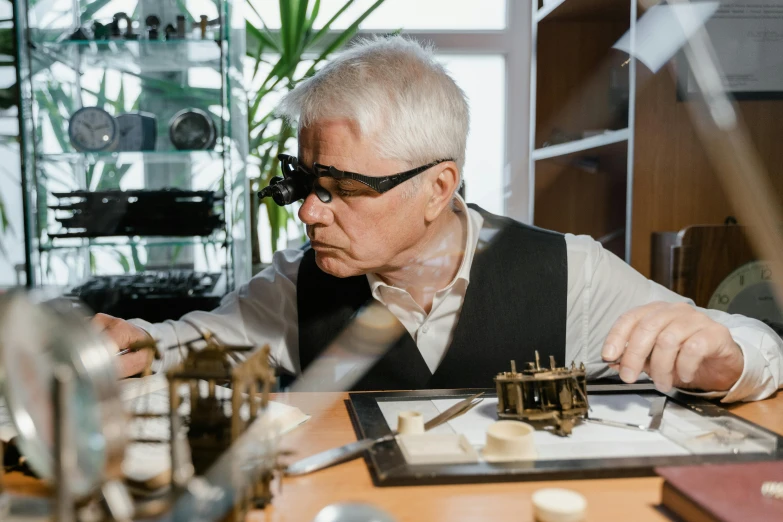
401	14
483	80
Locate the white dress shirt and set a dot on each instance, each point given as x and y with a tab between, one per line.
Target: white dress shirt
601	287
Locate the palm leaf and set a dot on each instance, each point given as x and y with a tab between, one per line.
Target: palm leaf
300	26
325	29
344	37
137	264
101	94
287	21
123	260
253	32
183	8
94	7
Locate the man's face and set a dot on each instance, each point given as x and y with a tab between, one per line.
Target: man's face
359	231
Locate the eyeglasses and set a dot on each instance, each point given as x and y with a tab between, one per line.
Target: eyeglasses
380	184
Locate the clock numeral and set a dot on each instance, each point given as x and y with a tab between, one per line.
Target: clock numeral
766	274
723	299
742	280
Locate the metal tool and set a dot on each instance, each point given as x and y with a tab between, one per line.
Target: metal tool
353	450
656	412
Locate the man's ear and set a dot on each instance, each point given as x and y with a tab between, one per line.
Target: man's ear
443	185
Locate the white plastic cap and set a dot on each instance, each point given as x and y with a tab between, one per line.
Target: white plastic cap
559	505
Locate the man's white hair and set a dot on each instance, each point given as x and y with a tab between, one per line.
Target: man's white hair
396	92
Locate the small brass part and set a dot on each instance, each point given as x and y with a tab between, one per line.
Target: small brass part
554	396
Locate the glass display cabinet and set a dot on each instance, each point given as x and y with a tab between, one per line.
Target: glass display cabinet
134	138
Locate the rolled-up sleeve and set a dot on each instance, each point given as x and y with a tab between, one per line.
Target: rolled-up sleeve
260	312
602	287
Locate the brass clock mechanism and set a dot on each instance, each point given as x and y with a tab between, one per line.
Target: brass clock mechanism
551	396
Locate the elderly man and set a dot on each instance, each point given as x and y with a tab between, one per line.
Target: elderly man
382	133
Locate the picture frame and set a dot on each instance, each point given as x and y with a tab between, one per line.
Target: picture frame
747	40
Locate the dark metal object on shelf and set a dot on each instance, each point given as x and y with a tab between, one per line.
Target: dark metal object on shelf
180	27
80	35
192	129
166	212
170	32
557	396
116	31
203	21
153	25
154	296
100	31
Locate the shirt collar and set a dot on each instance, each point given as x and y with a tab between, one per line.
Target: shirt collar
468	217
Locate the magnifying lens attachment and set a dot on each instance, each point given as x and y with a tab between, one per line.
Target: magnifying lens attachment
293	187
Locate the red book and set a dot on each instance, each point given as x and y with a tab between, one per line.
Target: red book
722	492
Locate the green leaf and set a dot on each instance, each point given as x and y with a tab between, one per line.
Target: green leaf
119	104
175	252
123	260
287	21
311	20
344	37
300	26
101	94
183	8
92	8
138	266
325	29
48	106
263	39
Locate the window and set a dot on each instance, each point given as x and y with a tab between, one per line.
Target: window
439	15
485	46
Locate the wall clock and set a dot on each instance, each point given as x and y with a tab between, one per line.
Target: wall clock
92	129
192	129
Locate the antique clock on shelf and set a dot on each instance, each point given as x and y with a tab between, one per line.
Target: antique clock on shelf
716	267
92	129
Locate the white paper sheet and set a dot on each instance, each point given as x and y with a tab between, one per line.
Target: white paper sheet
683	432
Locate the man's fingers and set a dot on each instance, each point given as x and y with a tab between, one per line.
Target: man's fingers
668	344
693	352
618	336
102	321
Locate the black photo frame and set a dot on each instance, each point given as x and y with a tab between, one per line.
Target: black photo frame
388	466
683	73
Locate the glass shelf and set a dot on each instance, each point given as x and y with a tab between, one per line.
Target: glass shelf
148	157
114	242
136	56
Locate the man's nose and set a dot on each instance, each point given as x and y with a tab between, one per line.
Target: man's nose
315	212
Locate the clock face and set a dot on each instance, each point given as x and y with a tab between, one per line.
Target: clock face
748	291
192	129
92	129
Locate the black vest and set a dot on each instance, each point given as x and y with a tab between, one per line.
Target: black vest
515	304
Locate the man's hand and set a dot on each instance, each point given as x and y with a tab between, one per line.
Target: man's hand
124	334
676	345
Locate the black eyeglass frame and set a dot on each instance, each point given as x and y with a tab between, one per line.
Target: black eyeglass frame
379	184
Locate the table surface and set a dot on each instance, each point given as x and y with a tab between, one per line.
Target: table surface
302	497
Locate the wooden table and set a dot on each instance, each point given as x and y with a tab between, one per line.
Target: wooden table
302	497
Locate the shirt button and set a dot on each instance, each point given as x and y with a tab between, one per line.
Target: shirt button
425	328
